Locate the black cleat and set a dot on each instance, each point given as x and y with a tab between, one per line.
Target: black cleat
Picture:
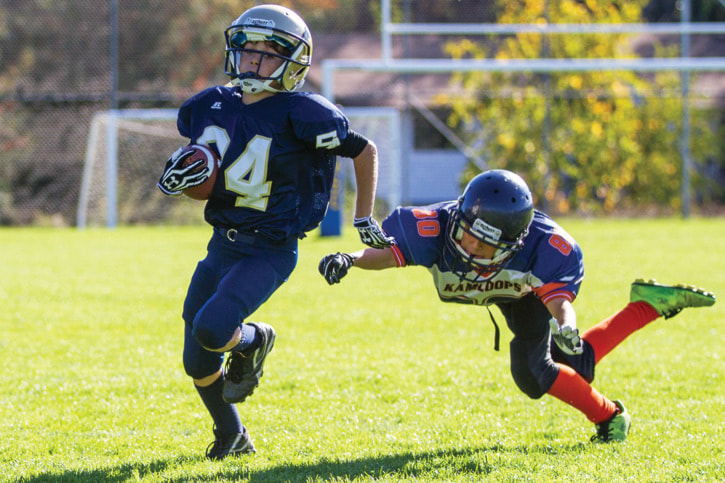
243	370
230	445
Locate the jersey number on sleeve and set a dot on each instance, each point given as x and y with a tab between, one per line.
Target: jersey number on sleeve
427	224
329	140
247	175
560	243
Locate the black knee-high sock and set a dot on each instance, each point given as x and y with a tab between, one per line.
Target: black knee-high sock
250	339
225	415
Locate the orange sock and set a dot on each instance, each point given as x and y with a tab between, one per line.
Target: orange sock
609	333
572	389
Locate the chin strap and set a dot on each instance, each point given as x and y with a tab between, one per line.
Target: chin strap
497	334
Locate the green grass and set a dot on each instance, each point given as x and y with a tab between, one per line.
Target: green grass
370	380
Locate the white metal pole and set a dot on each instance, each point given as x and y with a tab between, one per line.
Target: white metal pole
685	140
385	39
112	169
111	128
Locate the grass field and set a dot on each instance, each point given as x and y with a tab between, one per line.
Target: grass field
370	380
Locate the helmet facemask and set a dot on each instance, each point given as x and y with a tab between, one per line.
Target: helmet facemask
470	267
266	24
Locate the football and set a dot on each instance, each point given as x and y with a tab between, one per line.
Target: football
212	163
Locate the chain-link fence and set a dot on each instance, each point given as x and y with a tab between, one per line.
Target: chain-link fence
57	71
64	62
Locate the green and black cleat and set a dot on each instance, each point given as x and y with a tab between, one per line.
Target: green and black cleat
616	428
669	300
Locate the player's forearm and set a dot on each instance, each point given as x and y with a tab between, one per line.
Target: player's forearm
563	311
366	179
374	259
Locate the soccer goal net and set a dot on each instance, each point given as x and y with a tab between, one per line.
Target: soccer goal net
127	149
381	125
125	155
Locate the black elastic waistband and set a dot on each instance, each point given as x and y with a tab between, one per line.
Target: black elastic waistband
235	236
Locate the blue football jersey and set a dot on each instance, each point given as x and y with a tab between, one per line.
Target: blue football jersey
277	170
550	263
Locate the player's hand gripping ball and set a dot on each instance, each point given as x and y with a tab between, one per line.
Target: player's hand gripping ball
191	170
210	164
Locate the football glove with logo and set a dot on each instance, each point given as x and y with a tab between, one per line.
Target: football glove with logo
371	234
566	337
177	177
335	266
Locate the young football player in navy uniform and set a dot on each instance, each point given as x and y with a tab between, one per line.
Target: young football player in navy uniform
277	147
491	247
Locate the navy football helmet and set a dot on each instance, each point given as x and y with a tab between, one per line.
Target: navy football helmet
496	208
269	23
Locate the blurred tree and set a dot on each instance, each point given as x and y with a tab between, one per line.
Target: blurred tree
585	141
190	51
188	37
165	46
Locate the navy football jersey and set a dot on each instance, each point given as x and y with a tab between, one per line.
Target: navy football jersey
277	170
550	263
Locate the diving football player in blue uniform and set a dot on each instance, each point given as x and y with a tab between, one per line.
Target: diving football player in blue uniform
491	247
277	149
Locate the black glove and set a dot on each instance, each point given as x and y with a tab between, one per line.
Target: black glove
371	234
177	177
335	266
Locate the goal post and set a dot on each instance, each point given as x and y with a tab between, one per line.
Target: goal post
125	154
382	125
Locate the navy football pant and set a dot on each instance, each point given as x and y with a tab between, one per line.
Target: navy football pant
533	354
233	281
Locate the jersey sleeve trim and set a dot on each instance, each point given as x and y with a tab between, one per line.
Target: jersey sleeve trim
399	258
554	290
353	144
